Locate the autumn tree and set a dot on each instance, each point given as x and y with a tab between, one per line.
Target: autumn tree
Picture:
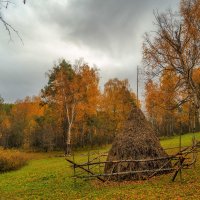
47	134
117	101
23	124
160	99
5	123
176	43
152	101
28	125
85	124
72	88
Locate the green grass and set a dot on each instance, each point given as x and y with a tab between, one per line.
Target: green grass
174	141
48	177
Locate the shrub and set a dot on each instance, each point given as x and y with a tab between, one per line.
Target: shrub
12	160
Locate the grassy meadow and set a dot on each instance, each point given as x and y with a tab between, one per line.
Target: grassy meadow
48	176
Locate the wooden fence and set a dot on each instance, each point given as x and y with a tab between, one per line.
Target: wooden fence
185	158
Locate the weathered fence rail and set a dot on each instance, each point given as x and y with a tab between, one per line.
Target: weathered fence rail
183	159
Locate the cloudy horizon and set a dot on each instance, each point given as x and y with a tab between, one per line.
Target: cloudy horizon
106	33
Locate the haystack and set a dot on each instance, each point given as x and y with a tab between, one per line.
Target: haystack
137	141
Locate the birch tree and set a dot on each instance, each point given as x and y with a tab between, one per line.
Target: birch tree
68	88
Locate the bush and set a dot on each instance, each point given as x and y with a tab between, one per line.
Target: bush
12	160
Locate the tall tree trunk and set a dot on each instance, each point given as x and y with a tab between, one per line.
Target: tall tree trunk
68	141
70	120
64	130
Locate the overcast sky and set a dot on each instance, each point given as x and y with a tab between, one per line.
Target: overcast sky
106	33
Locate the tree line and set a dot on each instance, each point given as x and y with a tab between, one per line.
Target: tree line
71	109
172	63
162	101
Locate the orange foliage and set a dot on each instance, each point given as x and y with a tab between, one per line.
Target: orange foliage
117	100
24	113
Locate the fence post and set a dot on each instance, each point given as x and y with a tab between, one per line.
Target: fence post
74	167
194	153
180	158
99	162
88	166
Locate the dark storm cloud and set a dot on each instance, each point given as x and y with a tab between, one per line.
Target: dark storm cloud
113	26
107	33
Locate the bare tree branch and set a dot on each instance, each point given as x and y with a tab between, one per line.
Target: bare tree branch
9	28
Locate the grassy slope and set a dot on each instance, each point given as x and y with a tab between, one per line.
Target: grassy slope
49	178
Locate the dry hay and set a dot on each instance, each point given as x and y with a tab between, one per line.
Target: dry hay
137	141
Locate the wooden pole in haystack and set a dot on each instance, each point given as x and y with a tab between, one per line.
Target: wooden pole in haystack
137	84
180	158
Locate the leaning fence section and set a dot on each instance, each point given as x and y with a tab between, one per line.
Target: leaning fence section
95	161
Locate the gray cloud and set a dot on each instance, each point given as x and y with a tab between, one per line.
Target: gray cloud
107	33
113	26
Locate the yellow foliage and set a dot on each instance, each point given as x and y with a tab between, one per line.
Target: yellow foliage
12	160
